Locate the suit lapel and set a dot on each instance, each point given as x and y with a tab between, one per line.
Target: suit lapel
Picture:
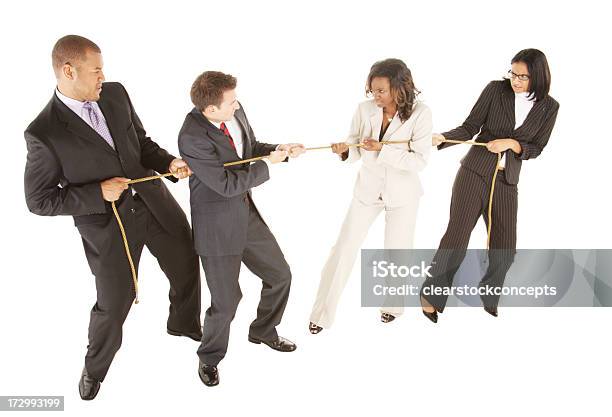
218	136
395	124
533	119
247	152
116	122
78	127
507	101
376	122
214	133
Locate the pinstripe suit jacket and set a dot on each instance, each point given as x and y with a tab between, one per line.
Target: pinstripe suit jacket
493	118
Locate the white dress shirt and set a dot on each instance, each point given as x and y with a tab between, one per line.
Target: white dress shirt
522	106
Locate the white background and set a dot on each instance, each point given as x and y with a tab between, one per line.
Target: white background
301	70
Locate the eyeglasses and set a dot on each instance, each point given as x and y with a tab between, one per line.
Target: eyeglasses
379	91
511	76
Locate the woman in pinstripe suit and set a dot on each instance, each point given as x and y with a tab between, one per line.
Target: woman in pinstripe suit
515	118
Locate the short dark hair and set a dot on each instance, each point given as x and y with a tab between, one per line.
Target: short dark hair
71	48
539	73
402	86
209	87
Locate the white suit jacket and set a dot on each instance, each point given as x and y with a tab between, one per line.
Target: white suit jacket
391	175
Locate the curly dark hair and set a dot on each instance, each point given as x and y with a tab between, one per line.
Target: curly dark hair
402	86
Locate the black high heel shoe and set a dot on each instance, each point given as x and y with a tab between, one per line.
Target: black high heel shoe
491	310
386	317
433	316
314	329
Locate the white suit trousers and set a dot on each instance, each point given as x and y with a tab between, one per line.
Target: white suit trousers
399	234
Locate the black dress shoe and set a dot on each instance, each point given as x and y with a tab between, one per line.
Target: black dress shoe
314	329
491	310
281	344
209	374
88	386
387	318
195	335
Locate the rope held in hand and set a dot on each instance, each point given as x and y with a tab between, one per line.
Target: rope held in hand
244	161
124	236
489	213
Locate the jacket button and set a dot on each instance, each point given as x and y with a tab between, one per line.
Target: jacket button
133	210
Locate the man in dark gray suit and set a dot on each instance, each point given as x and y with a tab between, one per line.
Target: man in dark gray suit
228	228
82	149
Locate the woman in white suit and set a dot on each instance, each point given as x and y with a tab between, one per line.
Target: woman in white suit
388	179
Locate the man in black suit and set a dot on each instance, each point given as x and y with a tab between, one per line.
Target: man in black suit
228	229
82	149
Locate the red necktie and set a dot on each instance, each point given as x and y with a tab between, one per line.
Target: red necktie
226	133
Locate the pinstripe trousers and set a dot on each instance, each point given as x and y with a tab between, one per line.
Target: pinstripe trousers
469	201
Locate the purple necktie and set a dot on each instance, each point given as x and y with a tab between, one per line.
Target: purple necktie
98	124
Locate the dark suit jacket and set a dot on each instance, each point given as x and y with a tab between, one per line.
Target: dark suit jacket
220	196
67	160
493	118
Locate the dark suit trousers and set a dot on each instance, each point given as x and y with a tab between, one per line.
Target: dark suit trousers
115	288
469	201
264	258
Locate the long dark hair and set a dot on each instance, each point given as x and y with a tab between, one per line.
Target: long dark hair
403	90
539	73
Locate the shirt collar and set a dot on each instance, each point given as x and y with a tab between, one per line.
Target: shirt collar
524	96
218	124
70	102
